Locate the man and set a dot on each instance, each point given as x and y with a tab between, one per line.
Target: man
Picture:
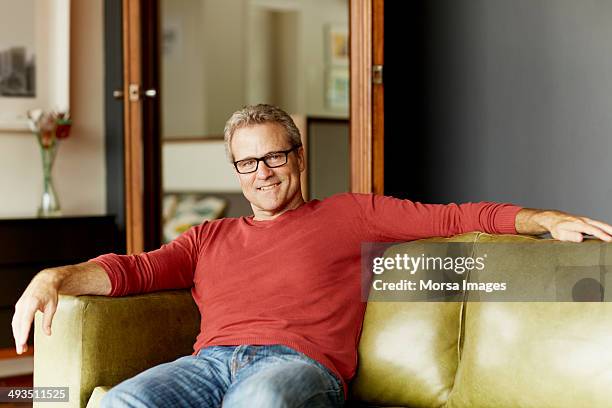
279	292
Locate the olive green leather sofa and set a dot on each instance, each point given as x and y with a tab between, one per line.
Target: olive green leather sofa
411	354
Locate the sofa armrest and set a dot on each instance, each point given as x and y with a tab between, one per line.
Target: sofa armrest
98	340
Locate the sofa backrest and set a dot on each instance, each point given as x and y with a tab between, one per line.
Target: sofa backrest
496	353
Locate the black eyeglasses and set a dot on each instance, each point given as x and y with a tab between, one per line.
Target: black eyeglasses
272	160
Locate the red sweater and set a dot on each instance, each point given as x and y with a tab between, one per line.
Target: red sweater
294	280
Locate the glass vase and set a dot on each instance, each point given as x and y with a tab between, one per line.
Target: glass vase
49	202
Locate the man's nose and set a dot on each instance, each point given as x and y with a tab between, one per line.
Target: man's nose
263	171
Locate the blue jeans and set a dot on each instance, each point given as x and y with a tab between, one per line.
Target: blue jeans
232	376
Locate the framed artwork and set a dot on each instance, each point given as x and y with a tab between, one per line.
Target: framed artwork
337	45
337	88
34	59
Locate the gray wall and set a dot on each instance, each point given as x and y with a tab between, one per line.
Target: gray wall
519	103
328	157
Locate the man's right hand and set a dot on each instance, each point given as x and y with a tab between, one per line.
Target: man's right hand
87	278
41	294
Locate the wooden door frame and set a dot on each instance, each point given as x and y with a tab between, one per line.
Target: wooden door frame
366	32
133	148
142	144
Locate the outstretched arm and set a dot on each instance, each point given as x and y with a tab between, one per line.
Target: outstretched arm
87	278
560	225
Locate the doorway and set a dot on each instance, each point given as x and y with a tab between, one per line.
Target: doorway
315	84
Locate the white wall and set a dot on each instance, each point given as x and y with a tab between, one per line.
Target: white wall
197	166
301	66
79	173
203	75
227	53
182	80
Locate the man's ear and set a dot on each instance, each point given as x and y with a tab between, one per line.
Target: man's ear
301	158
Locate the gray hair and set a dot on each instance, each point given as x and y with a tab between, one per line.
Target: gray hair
256	115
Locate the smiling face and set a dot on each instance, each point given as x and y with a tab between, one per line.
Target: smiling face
271	191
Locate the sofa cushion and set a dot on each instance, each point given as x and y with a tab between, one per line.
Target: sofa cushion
408	352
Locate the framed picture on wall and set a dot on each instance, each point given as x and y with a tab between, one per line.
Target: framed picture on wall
337	39
337	88
34	59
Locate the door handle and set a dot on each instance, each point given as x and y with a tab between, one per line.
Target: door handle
135	93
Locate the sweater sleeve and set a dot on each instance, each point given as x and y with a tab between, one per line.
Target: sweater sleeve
170	267
388	218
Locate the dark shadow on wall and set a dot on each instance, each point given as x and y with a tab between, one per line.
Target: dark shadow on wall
500	100
406	92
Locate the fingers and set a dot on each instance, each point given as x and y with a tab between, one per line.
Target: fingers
573	228
569	236
40	295
14	325
587	228
49	312
601	225
23	318
22	321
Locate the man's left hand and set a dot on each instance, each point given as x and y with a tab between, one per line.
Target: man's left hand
560	225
